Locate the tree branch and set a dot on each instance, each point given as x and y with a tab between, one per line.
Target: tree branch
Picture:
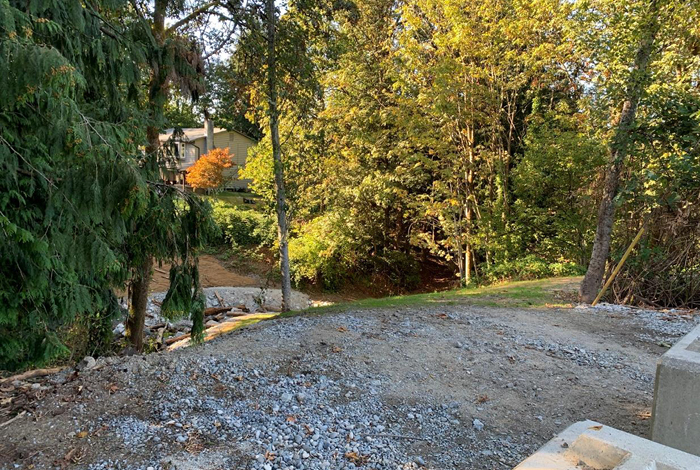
194	14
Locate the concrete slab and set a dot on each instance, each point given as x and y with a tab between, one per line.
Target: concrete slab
588	445
675	418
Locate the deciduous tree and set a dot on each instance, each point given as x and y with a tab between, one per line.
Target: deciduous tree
209	172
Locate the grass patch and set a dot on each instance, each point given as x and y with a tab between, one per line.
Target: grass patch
234	199
542	293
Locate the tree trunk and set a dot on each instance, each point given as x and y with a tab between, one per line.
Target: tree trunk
619	147
139	301
282	230
469	211
142	278
468	265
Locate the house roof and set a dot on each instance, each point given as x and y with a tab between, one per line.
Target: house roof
192	133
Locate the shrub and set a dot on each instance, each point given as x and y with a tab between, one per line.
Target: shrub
321	253
209	172
244	227
328	252
399	268
531	267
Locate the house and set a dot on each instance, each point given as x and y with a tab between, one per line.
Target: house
185	148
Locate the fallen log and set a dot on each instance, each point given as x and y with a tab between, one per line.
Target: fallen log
236	314
215	310
30	374
175	339
218	297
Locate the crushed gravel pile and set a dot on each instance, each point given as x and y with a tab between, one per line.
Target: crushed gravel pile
430	387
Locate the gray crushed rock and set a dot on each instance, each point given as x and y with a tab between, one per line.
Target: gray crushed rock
280	396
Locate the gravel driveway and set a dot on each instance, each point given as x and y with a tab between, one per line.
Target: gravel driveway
438	387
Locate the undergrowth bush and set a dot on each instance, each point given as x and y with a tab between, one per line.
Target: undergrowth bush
318	257
244	227
531	267
327	252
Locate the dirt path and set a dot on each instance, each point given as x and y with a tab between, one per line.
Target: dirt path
438	387
212	274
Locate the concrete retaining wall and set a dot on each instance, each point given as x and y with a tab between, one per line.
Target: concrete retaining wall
591	446
676	410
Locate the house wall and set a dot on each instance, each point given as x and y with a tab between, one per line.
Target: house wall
238	145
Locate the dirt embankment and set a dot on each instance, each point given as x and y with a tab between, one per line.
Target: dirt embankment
212	274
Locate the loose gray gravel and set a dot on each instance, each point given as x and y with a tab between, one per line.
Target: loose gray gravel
438	387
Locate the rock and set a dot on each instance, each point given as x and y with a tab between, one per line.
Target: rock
119	330
87	363
478	425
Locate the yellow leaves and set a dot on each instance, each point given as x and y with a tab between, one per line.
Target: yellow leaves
81	435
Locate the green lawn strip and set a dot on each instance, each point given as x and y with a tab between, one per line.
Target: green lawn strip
233	198
518	294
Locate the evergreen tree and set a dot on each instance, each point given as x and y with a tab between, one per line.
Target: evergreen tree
78	190
69	175
173	226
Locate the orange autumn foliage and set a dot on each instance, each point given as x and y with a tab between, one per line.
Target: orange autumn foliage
208	171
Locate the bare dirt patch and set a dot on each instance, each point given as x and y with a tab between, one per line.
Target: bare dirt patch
212	274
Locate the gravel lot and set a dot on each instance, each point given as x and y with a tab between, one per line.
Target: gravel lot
439	387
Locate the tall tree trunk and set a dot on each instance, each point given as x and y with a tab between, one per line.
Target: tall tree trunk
142	279
142	276
469	211
619	147
282	230
139	302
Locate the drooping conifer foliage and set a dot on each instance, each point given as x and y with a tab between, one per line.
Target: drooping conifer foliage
73	183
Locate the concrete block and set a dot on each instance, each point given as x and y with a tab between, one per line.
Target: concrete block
588	445
675	420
